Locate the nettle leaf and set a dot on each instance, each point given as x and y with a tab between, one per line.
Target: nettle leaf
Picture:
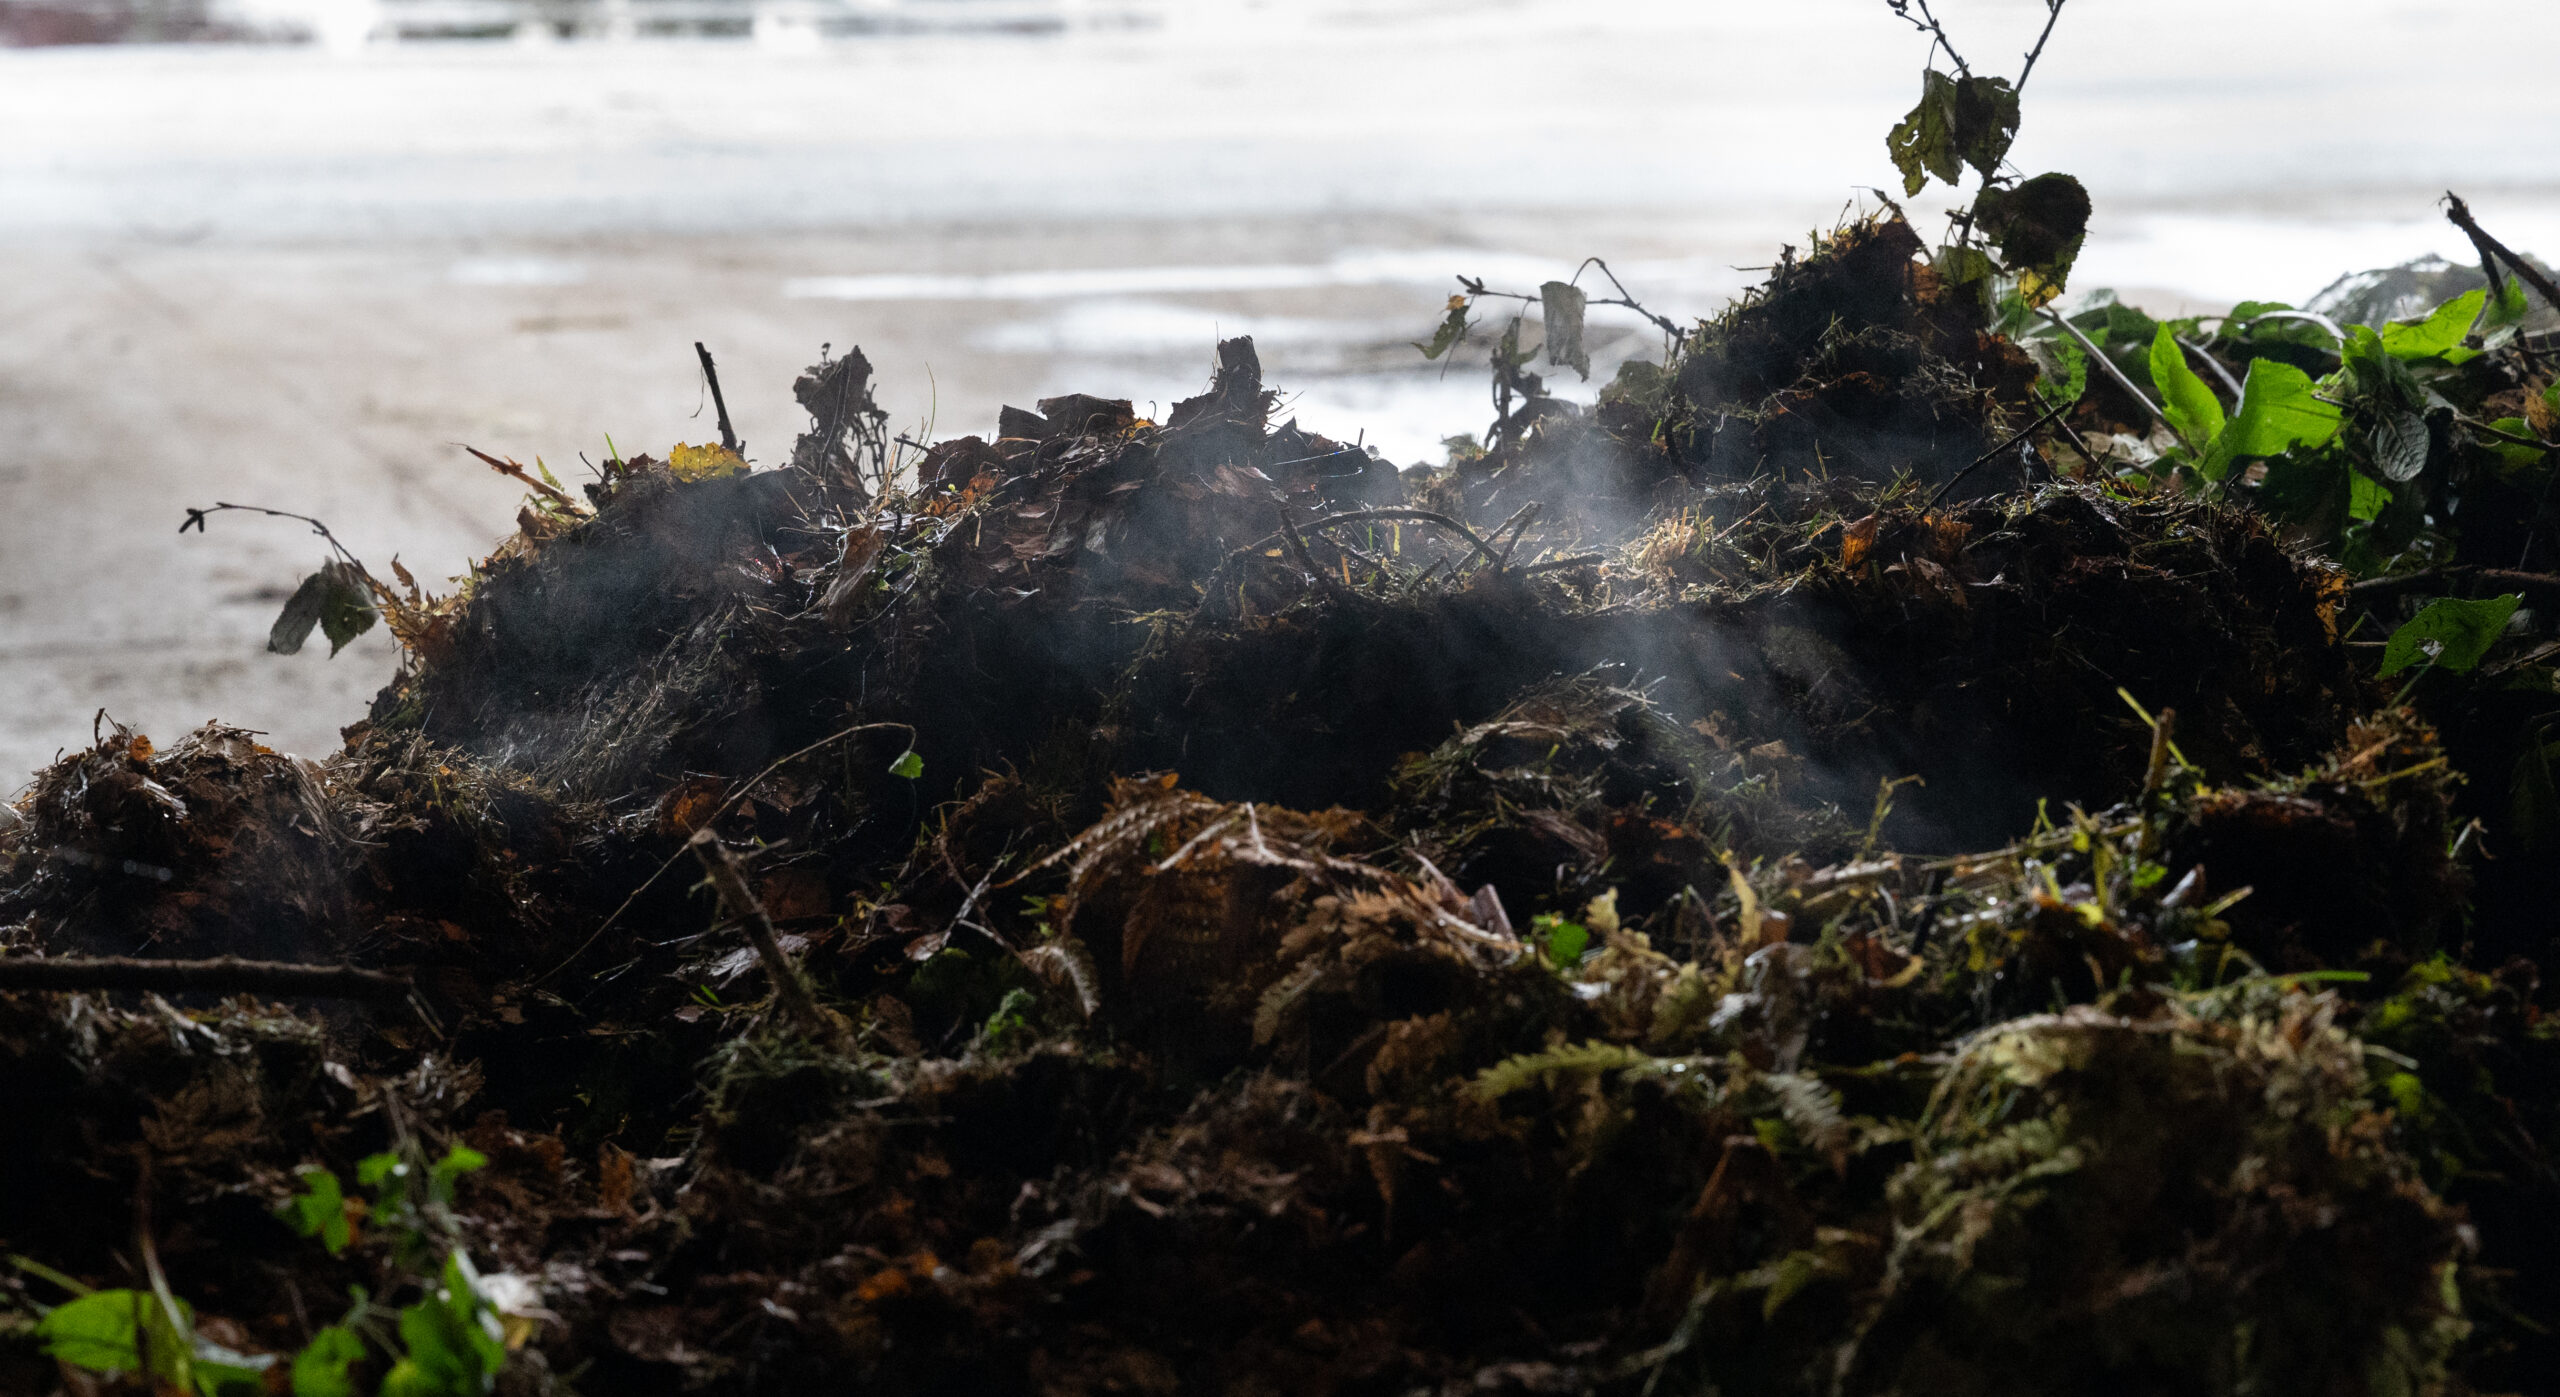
1453	328
2400	446
320	1370
909	766
2456	634
1959	122
2279	410
2440	335
320	1210
2189	405
2038	227
1561	305
335	599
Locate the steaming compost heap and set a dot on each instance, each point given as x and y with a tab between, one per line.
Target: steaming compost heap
1701	893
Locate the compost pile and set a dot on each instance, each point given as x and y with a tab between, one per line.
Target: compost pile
1701	893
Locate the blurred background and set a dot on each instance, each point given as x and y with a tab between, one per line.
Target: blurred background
297	252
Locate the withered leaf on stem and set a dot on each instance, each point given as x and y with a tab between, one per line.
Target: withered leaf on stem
335	599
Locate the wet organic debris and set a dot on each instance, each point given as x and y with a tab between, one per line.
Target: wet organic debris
1854	865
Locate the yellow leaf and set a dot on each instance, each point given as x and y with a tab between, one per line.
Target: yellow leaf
703	462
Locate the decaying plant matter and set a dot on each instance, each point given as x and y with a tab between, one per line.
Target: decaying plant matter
1827	871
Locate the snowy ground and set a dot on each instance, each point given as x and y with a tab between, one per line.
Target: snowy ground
299	277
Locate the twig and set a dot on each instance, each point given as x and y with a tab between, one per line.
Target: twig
2460	213
718	812
719	404
2091	346
2532	583
196	517
2218	371
1427	516
722	866
2029	430
219	975
1578	560
1936	31
2053	11
2157	771
510	468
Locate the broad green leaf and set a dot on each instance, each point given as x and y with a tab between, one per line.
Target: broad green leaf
320	1210
2278	411
2189	405
1561	306
2305	487
2366	496
98	1331
909	766
1453	328
2511	456
2456	634
320	1370
2440	335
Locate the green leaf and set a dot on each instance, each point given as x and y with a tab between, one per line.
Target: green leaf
320	1370
2070	364
373	1169
459	1159
2278	411
99	1331
2440	335
320	1210
1562	942
1453	328
1561	305
909	766
2366	496
2189	405
2457	634
335	599
2512	457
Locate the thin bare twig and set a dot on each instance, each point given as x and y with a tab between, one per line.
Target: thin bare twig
2029	430
1927	23
2053	11
2100	355
218	975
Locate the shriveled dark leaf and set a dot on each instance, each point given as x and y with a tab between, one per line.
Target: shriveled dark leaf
1959	122
1563	304
2038	225
1453	328
335	600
